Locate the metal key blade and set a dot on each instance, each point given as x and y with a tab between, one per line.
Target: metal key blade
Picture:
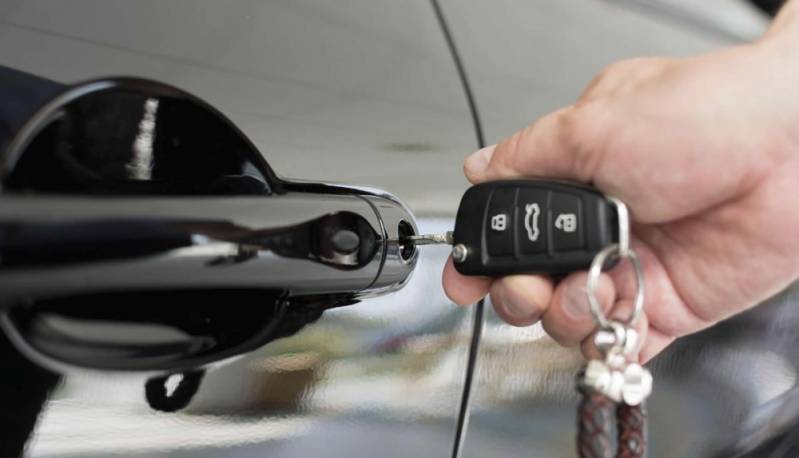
431	239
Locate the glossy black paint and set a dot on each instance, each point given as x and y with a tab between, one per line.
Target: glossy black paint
27	244
374	115
230	236
155	331
22	397
130	136
771	7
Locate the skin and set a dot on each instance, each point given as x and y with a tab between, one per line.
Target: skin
705	152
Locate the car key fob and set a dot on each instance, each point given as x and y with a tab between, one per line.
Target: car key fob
531	226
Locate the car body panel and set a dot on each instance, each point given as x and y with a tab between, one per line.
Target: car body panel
359	92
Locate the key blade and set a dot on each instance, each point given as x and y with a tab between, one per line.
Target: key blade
431	239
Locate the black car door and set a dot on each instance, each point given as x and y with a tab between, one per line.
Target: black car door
361	92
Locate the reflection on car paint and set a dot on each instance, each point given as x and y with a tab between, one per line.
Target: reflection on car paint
367	365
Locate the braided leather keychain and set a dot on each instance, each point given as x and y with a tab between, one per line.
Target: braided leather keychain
615	386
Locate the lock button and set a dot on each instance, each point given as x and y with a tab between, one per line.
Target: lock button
499	222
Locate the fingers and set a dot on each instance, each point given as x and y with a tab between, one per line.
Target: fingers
651	341
554	146
461	289
663	305
476	163
568	319
520	300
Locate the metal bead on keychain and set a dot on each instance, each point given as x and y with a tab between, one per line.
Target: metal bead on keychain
614	386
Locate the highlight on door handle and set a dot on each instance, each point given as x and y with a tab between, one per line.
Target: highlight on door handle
131	208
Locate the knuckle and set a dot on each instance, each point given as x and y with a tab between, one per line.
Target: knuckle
608	74
583	131
617	75
622	67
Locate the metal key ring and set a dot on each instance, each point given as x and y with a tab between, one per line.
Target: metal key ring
623	216
593	279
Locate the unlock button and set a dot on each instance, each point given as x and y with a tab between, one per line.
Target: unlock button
566	222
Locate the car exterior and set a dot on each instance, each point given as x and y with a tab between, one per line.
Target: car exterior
368	93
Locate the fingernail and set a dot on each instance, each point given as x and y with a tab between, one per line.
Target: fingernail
575	302
478	161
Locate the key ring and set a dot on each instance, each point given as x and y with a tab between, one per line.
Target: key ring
619	250
614	382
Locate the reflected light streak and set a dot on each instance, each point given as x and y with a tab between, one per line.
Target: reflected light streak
140	166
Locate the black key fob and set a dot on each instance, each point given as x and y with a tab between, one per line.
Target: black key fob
531	226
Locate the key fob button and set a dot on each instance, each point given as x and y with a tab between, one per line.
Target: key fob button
566	222
531	225
499	222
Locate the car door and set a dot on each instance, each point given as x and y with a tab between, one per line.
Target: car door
366	92
360	92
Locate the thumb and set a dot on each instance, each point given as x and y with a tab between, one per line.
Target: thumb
557	145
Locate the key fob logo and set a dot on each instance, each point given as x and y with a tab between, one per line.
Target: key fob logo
499	222
532	211
567	222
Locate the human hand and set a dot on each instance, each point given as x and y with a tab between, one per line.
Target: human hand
705	153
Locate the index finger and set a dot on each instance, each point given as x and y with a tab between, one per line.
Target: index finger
555	145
